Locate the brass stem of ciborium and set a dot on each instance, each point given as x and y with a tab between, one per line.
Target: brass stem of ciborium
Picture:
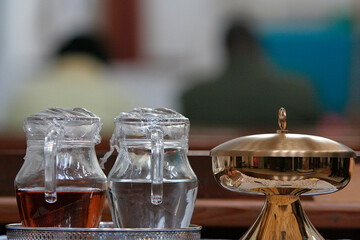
282	217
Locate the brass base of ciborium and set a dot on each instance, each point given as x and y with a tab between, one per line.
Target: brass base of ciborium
282	217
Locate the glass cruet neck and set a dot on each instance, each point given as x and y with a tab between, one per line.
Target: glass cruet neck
35	143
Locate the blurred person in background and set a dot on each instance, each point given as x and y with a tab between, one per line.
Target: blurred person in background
78	77
249	92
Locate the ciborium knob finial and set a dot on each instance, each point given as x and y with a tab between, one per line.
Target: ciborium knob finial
282	120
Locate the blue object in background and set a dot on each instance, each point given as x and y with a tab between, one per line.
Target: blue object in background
321	53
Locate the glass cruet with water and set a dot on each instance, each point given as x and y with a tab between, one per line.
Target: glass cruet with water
61	183
151	184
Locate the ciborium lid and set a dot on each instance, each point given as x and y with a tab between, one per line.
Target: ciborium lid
283	144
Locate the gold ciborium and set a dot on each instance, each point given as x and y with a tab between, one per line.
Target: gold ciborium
282	166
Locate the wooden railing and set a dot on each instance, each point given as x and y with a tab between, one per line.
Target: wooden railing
215	206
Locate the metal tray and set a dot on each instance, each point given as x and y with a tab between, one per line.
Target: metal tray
106	231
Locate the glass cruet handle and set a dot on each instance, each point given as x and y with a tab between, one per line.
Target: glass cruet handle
50	150
157	159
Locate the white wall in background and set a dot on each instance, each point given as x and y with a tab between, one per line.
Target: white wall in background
182	32
30	30
178	38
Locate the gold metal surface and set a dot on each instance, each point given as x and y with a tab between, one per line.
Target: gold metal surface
282	145
282	120
282	180
282	166
282	217
282	175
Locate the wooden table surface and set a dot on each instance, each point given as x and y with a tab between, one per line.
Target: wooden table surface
337	210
